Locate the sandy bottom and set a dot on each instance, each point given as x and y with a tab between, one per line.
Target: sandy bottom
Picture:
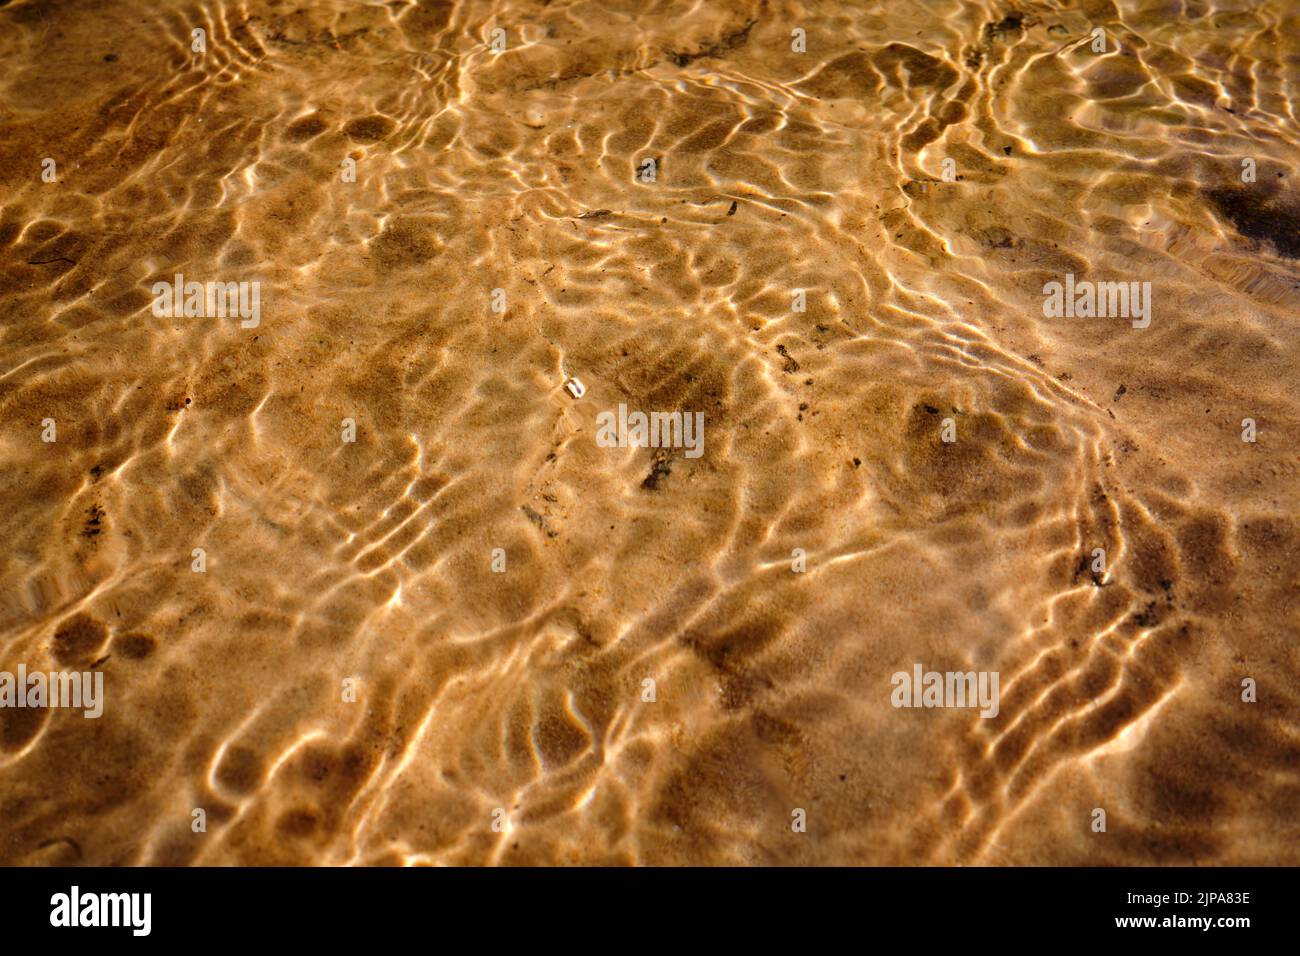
434	643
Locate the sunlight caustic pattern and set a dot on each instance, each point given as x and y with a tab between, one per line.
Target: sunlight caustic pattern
446	211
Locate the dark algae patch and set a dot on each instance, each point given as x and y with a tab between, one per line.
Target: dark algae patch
1259	217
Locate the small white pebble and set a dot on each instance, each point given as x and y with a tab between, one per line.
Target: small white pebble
576	388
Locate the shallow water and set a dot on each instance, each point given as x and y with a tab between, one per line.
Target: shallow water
517	697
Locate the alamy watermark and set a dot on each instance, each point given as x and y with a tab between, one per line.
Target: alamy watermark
132	910
656	430
56	689
946	689
1086	299
208	300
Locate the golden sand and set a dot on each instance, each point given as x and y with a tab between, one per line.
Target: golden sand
349	680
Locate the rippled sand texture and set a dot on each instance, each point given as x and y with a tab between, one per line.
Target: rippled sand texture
523	690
